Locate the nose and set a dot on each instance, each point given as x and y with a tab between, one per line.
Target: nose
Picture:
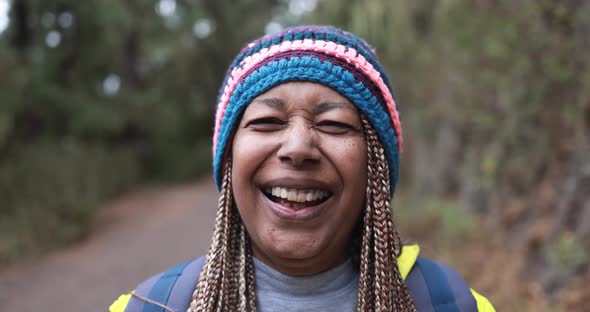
298	146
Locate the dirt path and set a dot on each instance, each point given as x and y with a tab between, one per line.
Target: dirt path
140	234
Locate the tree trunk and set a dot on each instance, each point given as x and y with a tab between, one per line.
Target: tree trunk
22	37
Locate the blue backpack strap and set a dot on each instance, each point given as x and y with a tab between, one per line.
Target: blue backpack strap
437	287
162	288
182	292
135	304
168	291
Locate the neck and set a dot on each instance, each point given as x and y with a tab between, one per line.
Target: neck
301	267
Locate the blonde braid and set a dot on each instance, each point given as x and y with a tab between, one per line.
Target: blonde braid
203	295
250	280
381	287
223	284
233	267
365	296
242	272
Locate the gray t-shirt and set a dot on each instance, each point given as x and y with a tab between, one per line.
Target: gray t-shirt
332	290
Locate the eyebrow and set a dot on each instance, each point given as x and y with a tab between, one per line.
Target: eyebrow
274	103
322	107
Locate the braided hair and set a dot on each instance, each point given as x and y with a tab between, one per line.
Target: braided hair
227	280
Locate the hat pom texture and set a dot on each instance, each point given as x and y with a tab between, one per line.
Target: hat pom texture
320	54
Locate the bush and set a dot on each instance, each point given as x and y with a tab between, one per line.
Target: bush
50	192
443	221
565	255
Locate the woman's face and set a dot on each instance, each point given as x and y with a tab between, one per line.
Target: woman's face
299	176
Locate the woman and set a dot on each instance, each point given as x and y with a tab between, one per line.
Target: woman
306	149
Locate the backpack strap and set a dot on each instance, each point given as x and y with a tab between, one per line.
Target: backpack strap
169	291
436	287
161	290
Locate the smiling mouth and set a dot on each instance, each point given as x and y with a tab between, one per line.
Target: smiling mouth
296	199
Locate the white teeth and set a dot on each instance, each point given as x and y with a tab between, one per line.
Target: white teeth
292	195
295	195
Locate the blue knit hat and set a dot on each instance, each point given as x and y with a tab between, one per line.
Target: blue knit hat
320	54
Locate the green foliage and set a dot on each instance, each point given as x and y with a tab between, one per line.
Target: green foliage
125	95
446	221
566	255
456	223
510	78
50	191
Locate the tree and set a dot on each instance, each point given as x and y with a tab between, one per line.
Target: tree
98	95
495	103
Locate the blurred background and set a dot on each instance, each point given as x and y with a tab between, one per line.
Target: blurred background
99	98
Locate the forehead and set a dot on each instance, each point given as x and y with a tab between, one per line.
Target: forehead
307	95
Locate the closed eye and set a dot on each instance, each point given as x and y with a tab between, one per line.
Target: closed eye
266	124
334	127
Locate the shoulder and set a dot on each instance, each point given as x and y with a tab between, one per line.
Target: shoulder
172	289
435	285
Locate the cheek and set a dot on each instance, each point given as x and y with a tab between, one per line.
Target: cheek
350	159
247	159
350	162
242	170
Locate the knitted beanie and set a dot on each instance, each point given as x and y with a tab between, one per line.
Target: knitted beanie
320	54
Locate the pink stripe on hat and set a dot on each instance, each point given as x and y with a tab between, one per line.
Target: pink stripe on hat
330	48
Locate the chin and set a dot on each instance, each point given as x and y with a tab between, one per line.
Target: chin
294	247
